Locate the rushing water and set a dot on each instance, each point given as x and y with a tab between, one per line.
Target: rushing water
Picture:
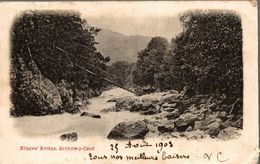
55	125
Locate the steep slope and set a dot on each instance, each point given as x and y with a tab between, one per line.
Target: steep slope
119	46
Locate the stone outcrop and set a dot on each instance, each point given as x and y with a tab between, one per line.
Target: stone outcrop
33	94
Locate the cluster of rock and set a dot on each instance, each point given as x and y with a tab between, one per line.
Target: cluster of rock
174	115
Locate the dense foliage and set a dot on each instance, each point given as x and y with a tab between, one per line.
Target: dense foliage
121	71
149	61
38	36
53	45
205	58
208	53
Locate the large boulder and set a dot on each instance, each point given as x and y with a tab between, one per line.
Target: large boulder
147	105
126	102
213	129
129	130
34	94
173	115
169	127
201	125
136	107
150	109
145	108
185	120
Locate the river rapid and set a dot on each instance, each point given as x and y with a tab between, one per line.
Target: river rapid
55	125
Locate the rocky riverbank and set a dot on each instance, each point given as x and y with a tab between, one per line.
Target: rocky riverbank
174	115
118	114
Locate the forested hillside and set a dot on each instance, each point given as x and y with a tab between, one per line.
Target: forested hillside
120	47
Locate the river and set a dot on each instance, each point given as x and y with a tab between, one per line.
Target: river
55	125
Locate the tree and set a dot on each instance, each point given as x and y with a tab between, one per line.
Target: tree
57	42
207	55
121	71
49	53
149	62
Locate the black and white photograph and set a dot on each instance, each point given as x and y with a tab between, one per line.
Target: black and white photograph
69	76
139	76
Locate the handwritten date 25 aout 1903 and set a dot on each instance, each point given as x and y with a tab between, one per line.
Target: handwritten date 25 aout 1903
129	145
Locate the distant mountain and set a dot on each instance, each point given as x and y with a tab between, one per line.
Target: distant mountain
119	46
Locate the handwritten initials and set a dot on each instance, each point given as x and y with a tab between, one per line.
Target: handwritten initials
219	159
218	156
206	155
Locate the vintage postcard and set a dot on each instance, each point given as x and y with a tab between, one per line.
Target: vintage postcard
129	82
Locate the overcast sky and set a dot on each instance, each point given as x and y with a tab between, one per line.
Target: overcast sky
148	26
129	17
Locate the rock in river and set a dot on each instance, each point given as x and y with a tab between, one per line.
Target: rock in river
112	100
125	102
69	136
111	109
90	115
136	107
152	109
129	130
166	128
